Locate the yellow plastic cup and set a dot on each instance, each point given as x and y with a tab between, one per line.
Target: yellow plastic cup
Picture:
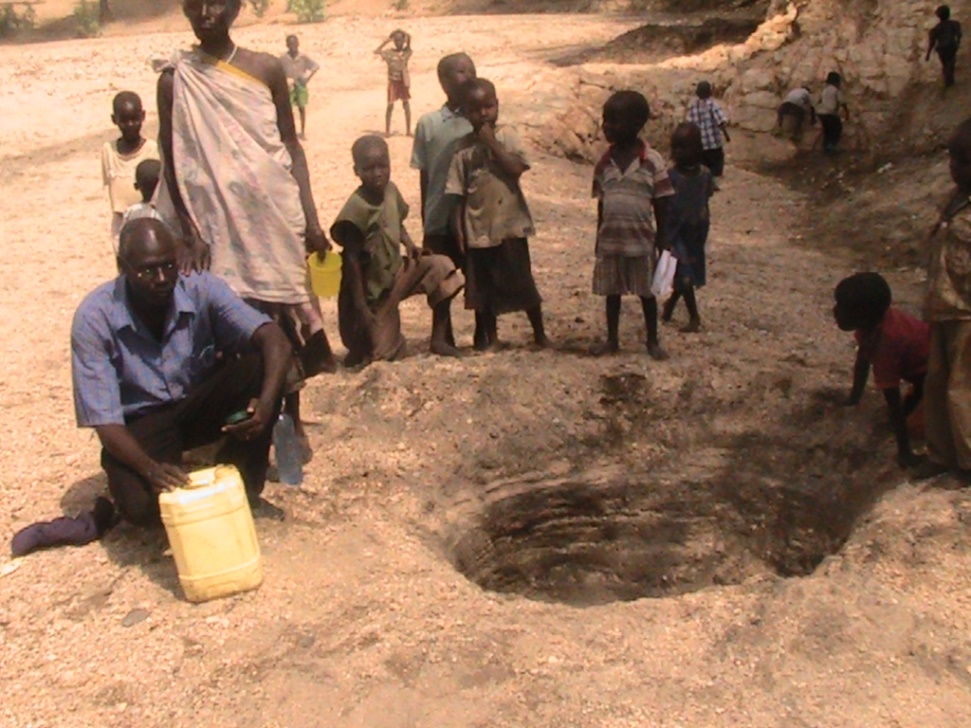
325	275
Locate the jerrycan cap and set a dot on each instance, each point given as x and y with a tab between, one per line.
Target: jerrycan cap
210	476
201	478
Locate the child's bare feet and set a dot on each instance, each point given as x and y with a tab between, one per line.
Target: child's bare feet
693	326
317	357
927	470
910	461
655	351
605	348
442	349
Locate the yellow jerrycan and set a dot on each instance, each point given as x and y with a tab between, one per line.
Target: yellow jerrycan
211	532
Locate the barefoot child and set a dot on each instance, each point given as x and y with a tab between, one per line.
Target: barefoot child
436	137
399	80
375	278
121	157
299	68
492	219
632	188
147	174
947	394
688	221
893	343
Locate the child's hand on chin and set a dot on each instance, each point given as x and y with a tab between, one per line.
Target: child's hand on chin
487	132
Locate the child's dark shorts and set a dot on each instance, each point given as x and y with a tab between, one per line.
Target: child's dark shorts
500	279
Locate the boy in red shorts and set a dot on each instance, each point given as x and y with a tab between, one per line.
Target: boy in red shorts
399	82
895	344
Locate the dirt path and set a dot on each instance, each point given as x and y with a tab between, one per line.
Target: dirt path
574	480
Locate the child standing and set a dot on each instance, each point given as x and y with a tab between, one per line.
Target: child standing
436	137
895	344
947	394
945	38
831	112
707	115
147	174
492	220
688	221
121	157
399	80
632	188
299	68
375	277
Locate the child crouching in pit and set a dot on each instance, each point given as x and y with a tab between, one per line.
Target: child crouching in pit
894	344
492	220
375	277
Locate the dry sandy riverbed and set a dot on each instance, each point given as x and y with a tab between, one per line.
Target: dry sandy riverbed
582	483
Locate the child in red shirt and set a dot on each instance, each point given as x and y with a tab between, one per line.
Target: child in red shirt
895	344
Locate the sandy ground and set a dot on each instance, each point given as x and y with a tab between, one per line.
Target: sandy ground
702	480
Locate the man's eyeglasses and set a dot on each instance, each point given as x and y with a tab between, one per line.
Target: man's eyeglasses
152	272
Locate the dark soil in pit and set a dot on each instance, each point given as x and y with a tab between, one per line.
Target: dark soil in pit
655	42
720	510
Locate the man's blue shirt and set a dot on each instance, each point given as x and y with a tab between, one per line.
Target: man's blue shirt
120	370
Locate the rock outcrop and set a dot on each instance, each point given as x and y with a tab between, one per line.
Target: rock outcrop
877	45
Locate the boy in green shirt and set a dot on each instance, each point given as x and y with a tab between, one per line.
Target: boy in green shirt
375	277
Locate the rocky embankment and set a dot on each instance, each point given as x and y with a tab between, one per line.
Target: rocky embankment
877	45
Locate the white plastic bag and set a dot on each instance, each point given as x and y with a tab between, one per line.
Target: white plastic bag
663	284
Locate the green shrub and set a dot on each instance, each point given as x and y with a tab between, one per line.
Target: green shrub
259	7
307	11
88	18
12	22
400	4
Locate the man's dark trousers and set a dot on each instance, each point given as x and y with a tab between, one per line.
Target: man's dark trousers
165	433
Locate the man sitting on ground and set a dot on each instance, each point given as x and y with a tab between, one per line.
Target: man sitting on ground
147	377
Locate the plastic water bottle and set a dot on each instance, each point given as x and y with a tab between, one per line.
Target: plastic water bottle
289	461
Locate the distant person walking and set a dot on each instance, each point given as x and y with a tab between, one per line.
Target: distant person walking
707	115
945	38
832	111
300	69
